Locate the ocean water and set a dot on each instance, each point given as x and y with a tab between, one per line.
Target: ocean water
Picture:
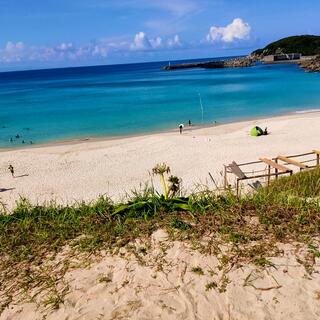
49	105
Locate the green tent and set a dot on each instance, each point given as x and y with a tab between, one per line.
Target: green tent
256	132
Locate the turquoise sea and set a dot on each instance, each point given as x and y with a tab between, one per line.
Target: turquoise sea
49	105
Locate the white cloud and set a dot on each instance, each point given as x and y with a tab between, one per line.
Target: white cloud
14	47
12	52
100	49
236	30
142	42
174	42
16	52
64	46
156	42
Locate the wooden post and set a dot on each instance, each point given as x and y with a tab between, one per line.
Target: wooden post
225	181
237	187
317	153
269	171
276	170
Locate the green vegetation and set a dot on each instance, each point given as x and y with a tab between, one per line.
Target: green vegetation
174	187
31	237
198	270
307	45
303	185
211	285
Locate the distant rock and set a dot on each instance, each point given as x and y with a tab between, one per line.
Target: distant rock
312	65
239	62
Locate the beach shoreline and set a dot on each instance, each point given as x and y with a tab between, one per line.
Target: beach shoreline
82	171
69	174
73	141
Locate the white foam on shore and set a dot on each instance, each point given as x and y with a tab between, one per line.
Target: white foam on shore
307	111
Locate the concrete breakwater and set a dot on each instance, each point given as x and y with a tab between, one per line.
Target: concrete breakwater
232	63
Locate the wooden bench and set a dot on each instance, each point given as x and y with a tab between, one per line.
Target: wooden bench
293	162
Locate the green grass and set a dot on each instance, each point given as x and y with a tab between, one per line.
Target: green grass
304	184
31	236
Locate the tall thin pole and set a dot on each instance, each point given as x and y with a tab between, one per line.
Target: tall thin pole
201	106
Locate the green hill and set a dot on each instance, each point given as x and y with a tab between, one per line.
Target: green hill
307	45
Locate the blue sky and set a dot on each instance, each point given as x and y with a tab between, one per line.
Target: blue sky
57	33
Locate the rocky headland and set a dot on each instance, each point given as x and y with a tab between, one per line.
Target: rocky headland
312	65
304	50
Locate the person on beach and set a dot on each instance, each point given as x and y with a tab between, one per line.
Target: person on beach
190	124
11	169
181	127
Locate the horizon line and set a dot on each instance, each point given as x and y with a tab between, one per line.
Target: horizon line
112	64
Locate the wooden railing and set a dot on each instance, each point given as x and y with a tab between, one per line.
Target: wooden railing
274	168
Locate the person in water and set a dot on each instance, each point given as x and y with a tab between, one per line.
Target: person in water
11	169
190	124
181	127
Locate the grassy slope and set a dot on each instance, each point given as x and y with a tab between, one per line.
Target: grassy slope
306	45
288	210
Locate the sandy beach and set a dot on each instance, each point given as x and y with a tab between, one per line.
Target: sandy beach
161	283
78	171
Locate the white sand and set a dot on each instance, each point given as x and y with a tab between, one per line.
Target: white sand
84	170
164	287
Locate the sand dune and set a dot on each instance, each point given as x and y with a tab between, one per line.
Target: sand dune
162	285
